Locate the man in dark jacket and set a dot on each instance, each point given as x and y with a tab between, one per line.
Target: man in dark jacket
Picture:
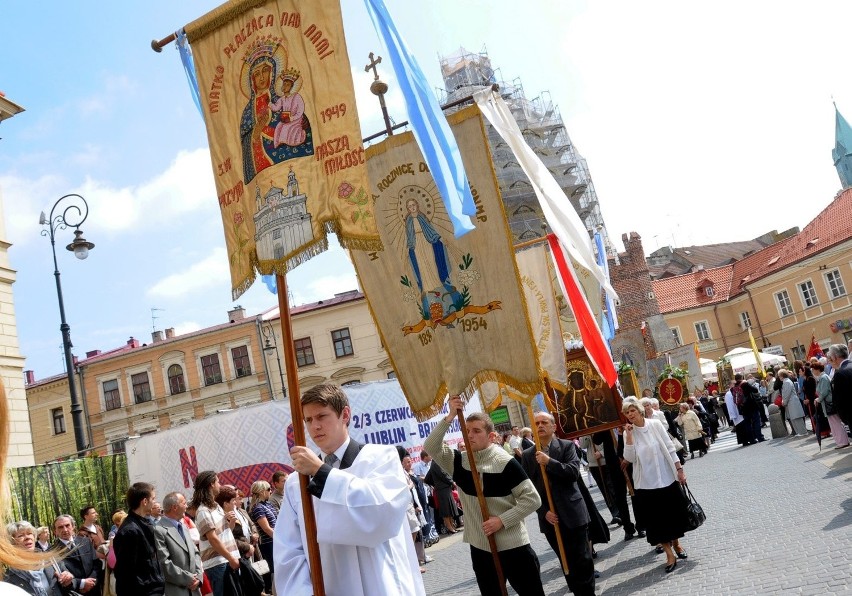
79	556
137	568
562	464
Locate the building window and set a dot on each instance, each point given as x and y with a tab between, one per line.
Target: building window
676	336
836	289
391	375
304	351
176	381
210	369
141	387
745	319
112	398
241	361
702	331
785	307
118	446
709	291
342	342
58	418
809	297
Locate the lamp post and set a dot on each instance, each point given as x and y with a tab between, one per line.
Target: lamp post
271	344
72	213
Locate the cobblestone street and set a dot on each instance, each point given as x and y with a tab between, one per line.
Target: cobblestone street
778	521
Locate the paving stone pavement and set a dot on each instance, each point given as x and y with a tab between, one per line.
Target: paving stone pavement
779	516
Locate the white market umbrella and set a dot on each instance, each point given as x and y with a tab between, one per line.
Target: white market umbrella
708	369
742	360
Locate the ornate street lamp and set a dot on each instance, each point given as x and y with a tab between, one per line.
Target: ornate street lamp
272	346
72	213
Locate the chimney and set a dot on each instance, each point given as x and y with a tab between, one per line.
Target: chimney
93	353
236	314
170	333
133	342
30	376
157	336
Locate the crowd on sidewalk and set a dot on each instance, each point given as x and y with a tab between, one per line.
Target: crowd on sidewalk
377	511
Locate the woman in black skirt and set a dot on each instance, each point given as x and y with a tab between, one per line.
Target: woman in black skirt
657	475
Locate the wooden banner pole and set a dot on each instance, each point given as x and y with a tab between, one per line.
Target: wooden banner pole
483	506
550	503
293	392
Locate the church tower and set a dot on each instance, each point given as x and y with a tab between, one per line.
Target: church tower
842	153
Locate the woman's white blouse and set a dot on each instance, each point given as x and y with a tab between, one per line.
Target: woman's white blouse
652	463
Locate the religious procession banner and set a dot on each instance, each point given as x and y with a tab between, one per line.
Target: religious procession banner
450	311
285	141
588	405
591	288
543	313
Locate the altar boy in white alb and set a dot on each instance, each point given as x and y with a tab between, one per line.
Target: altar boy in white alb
360	494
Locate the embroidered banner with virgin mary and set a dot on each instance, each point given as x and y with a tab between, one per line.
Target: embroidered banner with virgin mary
451	311
285	142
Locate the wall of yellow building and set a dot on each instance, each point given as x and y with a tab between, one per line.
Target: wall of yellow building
369	361
166	410
42	399
766	319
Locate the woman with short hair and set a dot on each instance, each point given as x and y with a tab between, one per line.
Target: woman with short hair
825	400
40	582
692	430
657	474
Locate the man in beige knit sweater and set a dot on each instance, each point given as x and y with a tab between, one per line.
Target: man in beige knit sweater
510	496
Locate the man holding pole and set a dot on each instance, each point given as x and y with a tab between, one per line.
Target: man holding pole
569	515
510	497
360	496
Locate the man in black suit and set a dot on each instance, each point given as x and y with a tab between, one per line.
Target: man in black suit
562	464
841	382
80	558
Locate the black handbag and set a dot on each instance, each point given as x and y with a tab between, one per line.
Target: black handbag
695	515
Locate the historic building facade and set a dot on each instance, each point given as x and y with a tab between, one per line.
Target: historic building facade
137	389
786	293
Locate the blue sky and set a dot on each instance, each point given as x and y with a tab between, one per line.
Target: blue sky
700	123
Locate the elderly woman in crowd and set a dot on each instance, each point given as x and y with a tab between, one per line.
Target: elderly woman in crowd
657	474
691	426
41	582
824	400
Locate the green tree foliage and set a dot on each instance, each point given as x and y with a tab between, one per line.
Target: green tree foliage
40	493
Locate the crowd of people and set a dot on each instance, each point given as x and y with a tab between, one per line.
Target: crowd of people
377	511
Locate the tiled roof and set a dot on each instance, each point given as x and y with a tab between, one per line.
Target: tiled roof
829	228
708	255
688	291
47	380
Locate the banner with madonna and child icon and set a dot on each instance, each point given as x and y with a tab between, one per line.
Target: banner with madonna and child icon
285	142
451	311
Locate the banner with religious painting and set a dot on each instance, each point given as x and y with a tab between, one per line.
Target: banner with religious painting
285	141
685	358
587	405
450	311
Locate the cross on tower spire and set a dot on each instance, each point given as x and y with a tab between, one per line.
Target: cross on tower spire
379	88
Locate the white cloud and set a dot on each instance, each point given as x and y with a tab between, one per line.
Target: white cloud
185	186
211	272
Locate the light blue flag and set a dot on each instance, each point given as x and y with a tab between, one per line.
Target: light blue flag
189	68
431	129
609	326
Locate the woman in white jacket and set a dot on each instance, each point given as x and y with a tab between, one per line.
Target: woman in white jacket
657	474
692	431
